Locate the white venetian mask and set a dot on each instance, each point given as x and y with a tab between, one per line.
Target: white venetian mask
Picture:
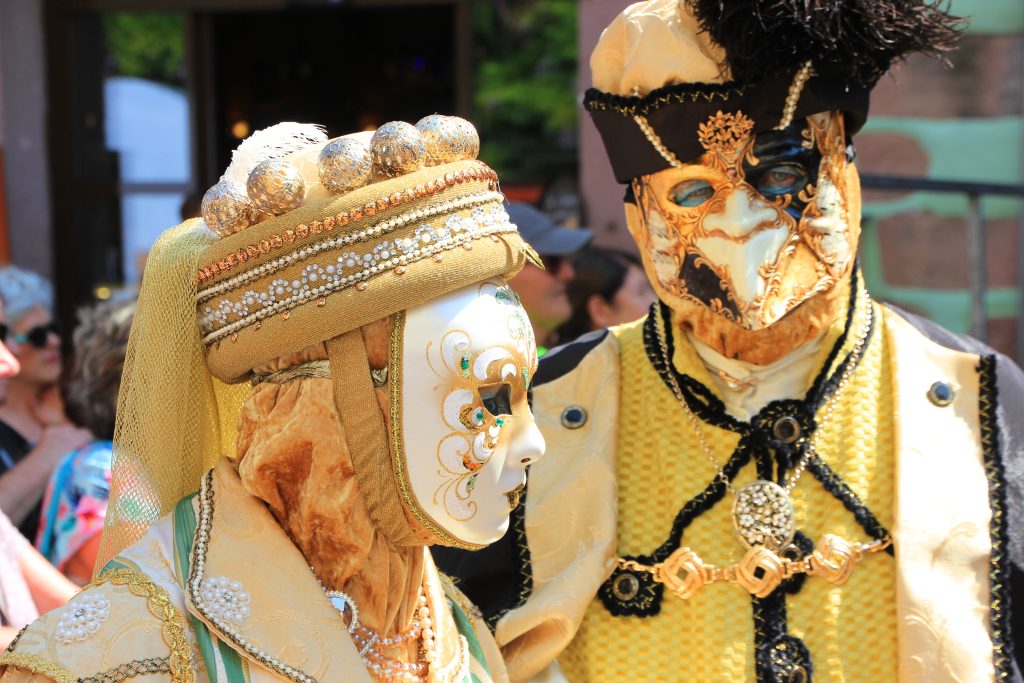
468	432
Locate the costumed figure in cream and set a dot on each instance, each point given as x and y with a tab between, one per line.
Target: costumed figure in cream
344	303
771	477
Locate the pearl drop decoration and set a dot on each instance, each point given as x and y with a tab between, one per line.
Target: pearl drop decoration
276	187
345	165
469	137
225	599
82	618
397	148
446	139
226	208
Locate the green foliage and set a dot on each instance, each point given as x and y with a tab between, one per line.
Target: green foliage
147	45
525	87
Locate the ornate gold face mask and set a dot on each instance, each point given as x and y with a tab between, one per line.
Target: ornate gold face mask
760	225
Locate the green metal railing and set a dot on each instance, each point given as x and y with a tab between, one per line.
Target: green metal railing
948	307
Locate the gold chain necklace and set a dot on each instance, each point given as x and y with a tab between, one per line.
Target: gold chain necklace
762	513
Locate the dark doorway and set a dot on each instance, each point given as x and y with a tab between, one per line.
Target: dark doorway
350	68
146	106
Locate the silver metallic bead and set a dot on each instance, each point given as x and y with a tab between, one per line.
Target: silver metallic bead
226	208
276	187
470	138
345	165
397	148
444	139
941	394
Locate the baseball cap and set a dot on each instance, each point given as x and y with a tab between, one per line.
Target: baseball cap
543	234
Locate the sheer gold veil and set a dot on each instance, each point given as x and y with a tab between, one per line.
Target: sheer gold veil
174	419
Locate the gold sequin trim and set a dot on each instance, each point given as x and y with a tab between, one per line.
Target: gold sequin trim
172	623
341	219
195	581
37	665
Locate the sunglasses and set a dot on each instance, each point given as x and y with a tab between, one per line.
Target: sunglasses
552	264
37	336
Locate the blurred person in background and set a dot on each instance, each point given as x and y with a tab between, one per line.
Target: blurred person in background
609	288
75	504
543	290
35	434
28	584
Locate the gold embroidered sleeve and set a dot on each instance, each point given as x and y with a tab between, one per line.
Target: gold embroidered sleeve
120	627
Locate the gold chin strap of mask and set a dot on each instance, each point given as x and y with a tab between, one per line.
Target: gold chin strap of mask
366	434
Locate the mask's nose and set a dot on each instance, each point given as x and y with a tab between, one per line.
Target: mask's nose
528	445
744	210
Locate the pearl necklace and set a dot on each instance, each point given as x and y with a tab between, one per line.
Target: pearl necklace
371	645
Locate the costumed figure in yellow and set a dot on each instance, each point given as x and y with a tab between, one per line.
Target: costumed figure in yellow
344	303
771	477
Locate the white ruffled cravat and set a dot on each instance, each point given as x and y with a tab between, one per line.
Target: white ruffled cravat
745	387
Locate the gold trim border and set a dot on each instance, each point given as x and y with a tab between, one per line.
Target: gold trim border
172	622
38	665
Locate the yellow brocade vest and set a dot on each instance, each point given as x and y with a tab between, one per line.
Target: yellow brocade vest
849	630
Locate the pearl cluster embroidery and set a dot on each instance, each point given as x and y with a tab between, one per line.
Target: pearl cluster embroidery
225	598
350	268
82	618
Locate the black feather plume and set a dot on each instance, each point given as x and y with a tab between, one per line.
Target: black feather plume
857	40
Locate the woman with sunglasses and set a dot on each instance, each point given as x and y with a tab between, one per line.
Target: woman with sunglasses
35	434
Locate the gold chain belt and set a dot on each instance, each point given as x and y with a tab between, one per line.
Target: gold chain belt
761	570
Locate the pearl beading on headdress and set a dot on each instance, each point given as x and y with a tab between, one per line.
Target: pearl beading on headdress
350	269
656	142
793	97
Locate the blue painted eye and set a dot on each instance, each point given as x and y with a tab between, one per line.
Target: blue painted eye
691	193
781	179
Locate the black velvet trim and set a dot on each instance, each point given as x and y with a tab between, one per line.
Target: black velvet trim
674	112
834	484
561	360
999	569
777	654
646	602
793	584
701	400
